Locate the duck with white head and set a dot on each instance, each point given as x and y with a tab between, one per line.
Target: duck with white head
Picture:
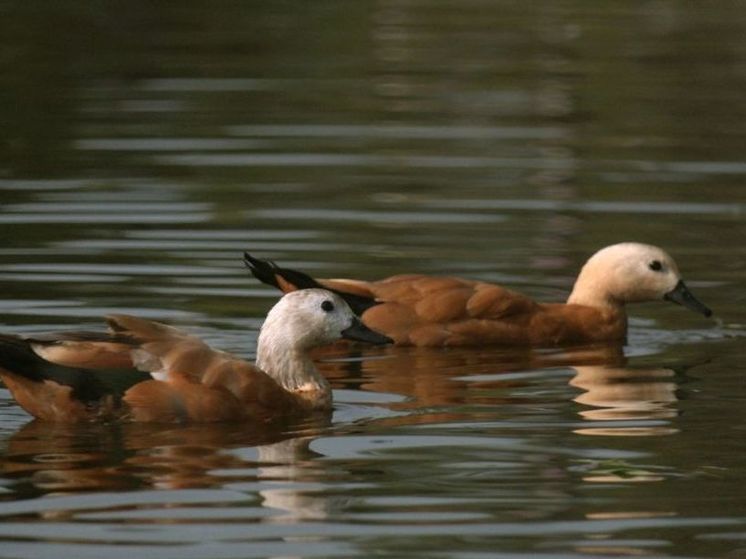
147	371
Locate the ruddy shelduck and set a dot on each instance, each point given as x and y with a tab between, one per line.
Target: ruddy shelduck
147	371
423	310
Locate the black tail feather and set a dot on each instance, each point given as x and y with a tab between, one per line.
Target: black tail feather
88	385
267	271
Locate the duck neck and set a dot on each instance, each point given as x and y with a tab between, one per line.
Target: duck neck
591	294
290	367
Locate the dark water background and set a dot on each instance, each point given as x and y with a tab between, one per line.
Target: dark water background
145	145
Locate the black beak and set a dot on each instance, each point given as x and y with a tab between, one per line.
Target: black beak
361	333
682	296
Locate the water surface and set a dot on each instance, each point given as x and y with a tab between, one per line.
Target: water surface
145	146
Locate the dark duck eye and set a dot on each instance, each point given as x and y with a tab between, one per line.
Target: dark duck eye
327	306
655	265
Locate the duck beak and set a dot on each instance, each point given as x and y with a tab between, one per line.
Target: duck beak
359	332
682	296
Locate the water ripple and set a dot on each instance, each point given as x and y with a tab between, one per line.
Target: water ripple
398	132
642	207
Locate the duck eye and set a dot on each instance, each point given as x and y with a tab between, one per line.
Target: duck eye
327	306
655	265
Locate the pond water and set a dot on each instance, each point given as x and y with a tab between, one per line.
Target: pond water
146	145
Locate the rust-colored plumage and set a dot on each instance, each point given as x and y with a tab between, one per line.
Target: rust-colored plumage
424	310
147	371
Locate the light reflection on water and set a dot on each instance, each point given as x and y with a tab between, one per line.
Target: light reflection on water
504	142
489	445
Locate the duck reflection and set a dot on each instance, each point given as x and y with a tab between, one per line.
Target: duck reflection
278	466
443	377
440	381
437	385
55	457
288	470
630	395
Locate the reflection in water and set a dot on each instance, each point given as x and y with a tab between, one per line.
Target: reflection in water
440	386
284	471
84	457
632	395
501	417
504	140
631	401
447	376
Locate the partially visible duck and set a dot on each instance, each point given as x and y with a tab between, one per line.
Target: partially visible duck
424	310
147	371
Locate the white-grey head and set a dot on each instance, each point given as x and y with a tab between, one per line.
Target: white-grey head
300	321
309	318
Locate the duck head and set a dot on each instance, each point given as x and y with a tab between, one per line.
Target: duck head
300	321
631	273
308	318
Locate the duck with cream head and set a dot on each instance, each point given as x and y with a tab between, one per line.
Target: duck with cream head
147	371
424	310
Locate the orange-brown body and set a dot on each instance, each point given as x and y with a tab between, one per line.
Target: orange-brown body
147	371
423	310
203	384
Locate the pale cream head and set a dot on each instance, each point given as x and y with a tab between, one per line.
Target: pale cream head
625	273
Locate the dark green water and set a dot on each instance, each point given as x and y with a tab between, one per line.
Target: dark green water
145	145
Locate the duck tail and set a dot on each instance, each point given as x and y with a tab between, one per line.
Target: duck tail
18	358
283	279
287	280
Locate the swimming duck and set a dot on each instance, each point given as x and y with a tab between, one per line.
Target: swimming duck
422	310
147	371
